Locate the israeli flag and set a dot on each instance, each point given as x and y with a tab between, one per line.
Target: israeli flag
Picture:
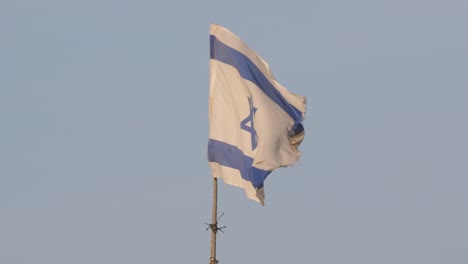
255	123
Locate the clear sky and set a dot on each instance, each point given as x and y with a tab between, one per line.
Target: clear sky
104	126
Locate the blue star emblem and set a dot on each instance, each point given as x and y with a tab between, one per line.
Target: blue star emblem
251	128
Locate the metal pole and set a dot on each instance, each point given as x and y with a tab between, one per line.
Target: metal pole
214	222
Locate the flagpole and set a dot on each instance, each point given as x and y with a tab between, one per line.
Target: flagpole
214	222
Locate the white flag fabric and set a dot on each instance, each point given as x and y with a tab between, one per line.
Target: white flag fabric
255	123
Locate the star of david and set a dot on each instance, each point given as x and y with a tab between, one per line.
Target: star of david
251	127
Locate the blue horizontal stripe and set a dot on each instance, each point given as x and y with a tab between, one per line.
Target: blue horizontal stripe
232	157
249	71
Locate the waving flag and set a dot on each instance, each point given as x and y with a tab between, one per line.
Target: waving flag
255	123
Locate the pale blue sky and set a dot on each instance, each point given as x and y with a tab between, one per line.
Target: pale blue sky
104	124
